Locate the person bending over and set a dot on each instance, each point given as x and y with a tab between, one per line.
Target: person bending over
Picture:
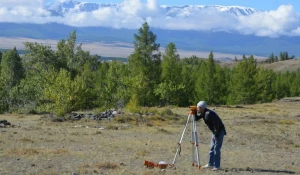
215	124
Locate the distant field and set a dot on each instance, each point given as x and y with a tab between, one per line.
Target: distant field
109	50
262	139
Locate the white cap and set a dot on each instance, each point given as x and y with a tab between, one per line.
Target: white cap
201	104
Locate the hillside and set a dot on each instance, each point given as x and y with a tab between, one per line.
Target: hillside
281	66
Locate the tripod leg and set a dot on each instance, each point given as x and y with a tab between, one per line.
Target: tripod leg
179	143
196	142
193	142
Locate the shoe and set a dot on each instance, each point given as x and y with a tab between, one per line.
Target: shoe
215	169
207	166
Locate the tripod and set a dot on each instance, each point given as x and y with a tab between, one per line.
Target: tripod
194	138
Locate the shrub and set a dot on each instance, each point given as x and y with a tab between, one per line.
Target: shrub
133	105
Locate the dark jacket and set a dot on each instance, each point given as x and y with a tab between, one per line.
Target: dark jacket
213	121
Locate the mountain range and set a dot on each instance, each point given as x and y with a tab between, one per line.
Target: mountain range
70	6
223	29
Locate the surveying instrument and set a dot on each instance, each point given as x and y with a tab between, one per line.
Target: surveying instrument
194	138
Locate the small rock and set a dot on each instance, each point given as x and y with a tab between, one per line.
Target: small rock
75	173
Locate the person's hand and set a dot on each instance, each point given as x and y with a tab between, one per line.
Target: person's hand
195	111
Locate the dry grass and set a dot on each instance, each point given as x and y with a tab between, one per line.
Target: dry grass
280	66
262	139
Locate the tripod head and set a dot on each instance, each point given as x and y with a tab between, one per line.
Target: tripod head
193	109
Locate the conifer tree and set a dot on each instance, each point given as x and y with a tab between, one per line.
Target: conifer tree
295	85
12	71
242	88
209	82
144	65
271	58
264	81
190	67
170	87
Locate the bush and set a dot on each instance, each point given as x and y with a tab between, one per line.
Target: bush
133	105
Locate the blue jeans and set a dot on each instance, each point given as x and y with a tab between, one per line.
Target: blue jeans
215	150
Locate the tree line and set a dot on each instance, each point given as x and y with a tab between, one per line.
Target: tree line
282	57
69	78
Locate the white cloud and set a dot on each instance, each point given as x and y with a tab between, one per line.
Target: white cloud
152	4
273	23
132	13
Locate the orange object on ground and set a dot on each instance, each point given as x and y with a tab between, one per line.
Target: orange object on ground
150	164
162	166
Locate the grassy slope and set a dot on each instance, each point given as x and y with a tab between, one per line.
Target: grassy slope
281	66
262	139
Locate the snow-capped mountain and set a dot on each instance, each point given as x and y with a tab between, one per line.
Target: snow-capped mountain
177	11
71	6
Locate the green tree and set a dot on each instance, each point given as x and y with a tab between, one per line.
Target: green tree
280	86
264	81
276	58
242	87
171	85
100	83
40	57
72	57
59	91
235	59
271	58
115	85
295	85
28	94
189	75
66	51
12	71
84	96
209	82
285	56
144	64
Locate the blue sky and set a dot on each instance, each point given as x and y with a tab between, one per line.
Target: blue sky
258	4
